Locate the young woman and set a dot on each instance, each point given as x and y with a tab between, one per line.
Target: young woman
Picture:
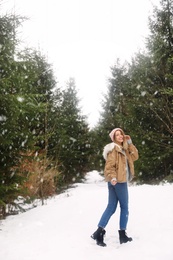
119	169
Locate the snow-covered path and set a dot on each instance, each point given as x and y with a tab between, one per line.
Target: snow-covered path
61	229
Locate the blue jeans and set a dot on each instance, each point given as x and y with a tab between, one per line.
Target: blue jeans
117	193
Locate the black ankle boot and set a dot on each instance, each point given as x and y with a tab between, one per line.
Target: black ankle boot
123	237
98	235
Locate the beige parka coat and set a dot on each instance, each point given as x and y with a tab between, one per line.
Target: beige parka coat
115	165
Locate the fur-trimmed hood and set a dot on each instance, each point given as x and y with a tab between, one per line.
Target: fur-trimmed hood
108	148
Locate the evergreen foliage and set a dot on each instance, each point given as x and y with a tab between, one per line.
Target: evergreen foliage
139	99
44	136
10	136
71	135
42	129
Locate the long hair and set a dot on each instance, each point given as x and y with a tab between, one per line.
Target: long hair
112	136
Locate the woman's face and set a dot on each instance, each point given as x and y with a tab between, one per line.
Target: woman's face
119	137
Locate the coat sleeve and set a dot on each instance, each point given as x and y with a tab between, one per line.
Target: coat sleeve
133	152
110	170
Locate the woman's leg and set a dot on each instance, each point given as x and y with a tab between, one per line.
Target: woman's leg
122	194
111	207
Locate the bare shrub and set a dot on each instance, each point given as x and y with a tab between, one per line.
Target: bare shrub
42	175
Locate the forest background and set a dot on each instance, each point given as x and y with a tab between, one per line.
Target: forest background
46	143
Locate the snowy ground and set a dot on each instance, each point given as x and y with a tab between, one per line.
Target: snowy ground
61	229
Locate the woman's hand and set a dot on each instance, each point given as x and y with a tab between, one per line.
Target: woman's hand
128	138
114	181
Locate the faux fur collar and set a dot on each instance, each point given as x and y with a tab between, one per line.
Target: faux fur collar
108	148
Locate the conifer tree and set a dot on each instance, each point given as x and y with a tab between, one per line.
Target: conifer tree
71	135
141	93
153	75
26	83
10	135
115	103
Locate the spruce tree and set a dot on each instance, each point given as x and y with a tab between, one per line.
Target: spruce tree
26	84
152	75
141	93
10	135
71	135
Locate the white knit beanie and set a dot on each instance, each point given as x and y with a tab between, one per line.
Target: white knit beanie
112	133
